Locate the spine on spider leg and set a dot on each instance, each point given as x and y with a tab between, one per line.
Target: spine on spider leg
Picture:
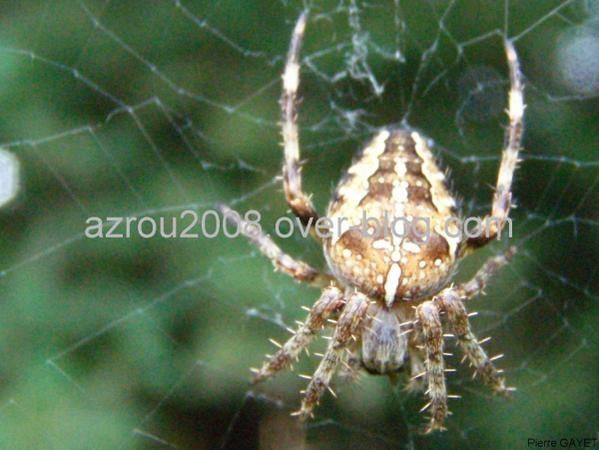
350	366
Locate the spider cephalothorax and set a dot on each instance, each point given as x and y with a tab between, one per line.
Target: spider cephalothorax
392	250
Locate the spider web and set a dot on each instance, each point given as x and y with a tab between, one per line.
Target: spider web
135	109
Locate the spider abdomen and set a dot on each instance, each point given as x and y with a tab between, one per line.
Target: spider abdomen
395	223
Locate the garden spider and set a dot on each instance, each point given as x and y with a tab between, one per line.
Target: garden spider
386	293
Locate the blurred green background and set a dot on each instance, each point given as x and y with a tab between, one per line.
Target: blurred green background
138	108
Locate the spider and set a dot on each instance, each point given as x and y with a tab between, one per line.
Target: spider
385	294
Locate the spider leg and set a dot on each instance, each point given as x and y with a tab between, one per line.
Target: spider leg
469	344
427	314
296	269
347	328
492	225
329	302
480	280
350	364
450	301
298	201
